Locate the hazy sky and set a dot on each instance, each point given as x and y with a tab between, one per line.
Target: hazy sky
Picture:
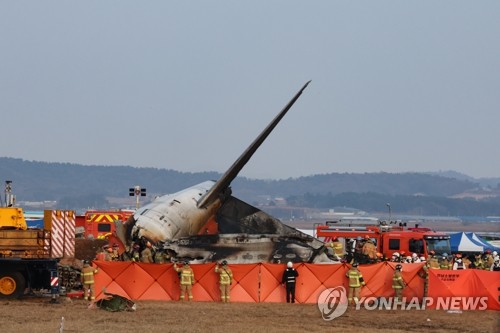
187	85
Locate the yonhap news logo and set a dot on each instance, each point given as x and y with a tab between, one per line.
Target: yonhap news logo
332	303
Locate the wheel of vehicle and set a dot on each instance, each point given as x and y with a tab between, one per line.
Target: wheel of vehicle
12	284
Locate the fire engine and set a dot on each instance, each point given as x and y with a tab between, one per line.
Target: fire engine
100	224
388	237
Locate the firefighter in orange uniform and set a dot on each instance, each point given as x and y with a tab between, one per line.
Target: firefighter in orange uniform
225	280
398	284
186	275
355	283
87	279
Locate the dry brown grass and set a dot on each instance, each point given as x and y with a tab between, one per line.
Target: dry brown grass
33	316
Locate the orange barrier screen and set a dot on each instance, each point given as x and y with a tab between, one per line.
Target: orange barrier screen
463	284
262	282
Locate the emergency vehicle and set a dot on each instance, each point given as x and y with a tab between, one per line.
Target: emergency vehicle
388	238
101	223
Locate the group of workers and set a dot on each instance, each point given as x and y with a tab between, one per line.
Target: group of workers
356	282
289	278
147	253
363	252
489	261
486	261
187	280
359	250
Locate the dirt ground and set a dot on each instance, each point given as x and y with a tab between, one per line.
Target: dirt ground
38	315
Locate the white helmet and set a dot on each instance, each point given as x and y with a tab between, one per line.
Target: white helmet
408	258
289	264
414	255
395	254
494	253
422	258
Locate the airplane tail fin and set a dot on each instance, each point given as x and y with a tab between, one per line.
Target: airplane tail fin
223	183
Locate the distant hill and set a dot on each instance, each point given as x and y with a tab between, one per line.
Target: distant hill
76	186
484	182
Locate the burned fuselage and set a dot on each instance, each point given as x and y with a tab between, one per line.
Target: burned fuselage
238	232
247	235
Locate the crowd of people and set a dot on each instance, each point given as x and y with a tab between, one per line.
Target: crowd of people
488	260
360	250
364	251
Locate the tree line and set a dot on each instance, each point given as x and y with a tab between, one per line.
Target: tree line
74	186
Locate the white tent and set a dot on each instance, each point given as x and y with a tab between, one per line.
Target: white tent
486	245
460	242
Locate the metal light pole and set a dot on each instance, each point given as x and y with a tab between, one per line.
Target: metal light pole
9	198
390	211
138	192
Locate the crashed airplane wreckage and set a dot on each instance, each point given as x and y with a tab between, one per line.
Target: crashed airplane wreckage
205	223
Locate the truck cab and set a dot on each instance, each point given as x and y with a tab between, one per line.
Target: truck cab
414	240
100	224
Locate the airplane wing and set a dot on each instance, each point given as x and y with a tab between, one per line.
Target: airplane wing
223	183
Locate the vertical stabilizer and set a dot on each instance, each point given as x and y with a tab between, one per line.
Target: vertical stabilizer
223	183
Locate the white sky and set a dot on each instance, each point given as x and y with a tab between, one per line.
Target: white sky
187	85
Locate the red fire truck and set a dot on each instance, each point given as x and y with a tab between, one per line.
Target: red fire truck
388	238
100	223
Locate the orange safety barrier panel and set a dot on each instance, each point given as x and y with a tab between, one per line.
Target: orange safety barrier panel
313	279
270	283
464	283
414	283
262	282
245	287
138	281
